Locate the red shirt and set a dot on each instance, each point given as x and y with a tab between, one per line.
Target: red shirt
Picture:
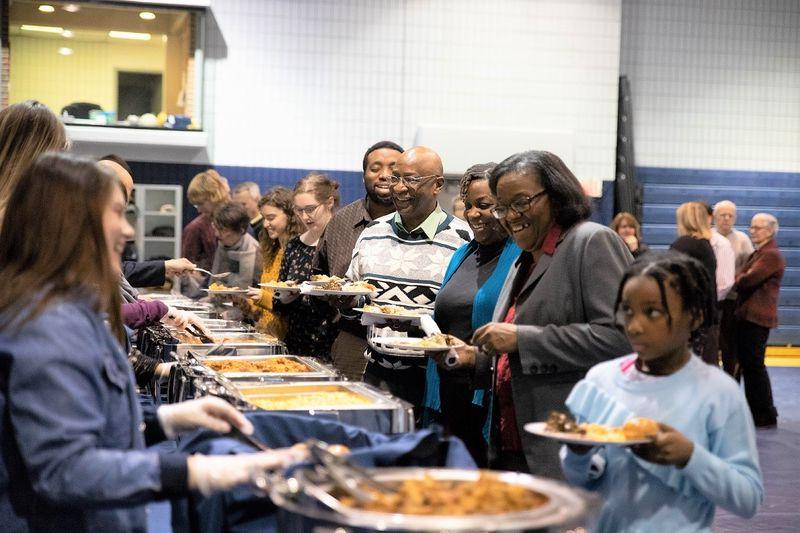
199	242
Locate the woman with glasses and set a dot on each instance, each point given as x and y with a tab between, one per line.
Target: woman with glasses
465	302
554	317
308	326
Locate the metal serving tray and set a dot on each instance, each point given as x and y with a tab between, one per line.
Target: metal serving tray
317	371
219	323
383	412
245	344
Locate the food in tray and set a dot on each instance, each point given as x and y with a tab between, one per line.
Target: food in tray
216	286
390	310
436	497
184	337
439	340
308	400
331	285
281	365
634	429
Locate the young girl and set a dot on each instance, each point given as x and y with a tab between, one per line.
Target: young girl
705	452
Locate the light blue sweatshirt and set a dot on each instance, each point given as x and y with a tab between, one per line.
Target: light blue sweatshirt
700	401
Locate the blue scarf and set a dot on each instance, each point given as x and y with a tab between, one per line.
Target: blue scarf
482	311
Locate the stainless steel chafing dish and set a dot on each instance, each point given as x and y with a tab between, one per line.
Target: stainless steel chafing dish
374	410
316	370
566	509
244	343
221	324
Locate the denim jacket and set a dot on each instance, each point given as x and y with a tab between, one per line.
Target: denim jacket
73	454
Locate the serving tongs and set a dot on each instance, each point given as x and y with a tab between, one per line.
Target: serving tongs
197	332
342	473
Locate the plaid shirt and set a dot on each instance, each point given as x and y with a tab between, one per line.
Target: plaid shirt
335	248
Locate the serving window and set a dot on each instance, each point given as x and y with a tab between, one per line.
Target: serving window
102	64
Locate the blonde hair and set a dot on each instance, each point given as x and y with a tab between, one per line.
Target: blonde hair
208	186
624	216
692	218
27	130
320	185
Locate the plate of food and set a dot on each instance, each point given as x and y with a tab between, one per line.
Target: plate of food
289	285
219	288
440	342
563	428
380	314
318	280
335	288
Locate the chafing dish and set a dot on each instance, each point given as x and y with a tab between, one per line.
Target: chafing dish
244	343
367	407
221	324
566	508
316	371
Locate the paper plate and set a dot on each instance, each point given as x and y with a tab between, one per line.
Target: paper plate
540	429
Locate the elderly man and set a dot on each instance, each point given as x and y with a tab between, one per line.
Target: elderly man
247	194
335	248
143	273
405	255
724	220
758	285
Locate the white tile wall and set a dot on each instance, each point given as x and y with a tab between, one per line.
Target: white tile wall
312	83
715	83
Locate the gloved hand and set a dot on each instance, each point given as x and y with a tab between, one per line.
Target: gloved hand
214	473
178	267
196	321
209	412
175	318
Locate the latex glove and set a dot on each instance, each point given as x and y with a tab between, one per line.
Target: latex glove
209	474
196	321
254	293
175	318
209	412
286	297
178	267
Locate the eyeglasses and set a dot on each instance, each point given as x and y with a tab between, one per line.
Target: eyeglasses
759	227
308	210
410	181
518	206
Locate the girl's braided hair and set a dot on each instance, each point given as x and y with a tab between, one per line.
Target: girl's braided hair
690	279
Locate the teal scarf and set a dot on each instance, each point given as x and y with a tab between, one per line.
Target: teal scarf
482	311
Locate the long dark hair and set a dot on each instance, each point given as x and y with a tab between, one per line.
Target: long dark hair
568	203
52	243
280	198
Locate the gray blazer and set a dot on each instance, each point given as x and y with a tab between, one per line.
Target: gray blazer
565	325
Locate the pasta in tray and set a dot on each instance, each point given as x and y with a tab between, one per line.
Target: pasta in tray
428	496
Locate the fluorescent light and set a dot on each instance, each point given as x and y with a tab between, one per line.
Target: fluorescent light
147	15
64	51
71	8
45	29
129	35
68	33
46	8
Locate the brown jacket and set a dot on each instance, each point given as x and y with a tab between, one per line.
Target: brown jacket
758	285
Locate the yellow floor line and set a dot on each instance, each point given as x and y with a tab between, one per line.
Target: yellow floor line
783	356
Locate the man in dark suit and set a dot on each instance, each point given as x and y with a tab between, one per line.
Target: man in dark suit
756	313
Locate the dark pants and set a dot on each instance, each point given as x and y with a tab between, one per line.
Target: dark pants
407	384
727	340
751	344
462	418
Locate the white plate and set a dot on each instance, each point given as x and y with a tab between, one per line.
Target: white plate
403	344
375	318
274	287
314	291
540	429
320	283
226	291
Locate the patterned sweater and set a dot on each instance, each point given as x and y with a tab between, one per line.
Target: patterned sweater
406	267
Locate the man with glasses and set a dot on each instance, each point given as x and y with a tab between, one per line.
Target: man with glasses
405	255
336	245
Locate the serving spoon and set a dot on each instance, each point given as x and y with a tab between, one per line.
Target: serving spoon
219	276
